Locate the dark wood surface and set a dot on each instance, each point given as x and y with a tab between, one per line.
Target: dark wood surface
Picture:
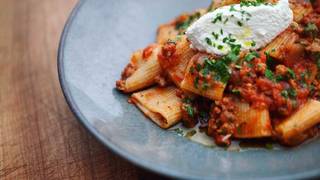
39	136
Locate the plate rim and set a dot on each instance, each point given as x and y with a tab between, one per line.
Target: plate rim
111	146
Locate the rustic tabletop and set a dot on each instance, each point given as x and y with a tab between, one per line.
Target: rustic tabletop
39	136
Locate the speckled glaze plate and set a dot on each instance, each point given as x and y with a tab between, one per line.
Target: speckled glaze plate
96	45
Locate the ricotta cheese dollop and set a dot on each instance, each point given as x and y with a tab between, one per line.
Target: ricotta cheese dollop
250	25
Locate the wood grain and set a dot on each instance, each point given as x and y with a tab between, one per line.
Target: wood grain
39	136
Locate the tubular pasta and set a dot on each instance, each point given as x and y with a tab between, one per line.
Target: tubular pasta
182	55
214	92
166	32
161	105
252	123
140	73
292	130
300	9
277	46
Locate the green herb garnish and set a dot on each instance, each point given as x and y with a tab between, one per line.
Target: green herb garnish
190	110
250	56
253	43
289	93
291	73
191	70
292	92
216	36
179	131
232	8
269	74
198	67
236	92
208	41
196	82
285	94
217	18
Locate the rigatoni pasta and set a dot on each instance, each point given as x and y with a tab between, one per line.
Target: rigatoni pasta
252	122
142	70
161	105
292	130
300	9
176	65
209	88
277	47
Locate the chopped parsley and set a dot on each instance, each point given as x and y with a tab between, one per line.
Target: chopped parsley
279	78
236	92
191	70
285	94
179	131
253	43
198	67
225	39
196	82
216	36
187	100
289	93
205	86
190	110
204	114
217	18
269	74
240	23
231	57
205	71
292	92
248	3
270	61
291	73
226	20
219	69
232	8
208	41
250	56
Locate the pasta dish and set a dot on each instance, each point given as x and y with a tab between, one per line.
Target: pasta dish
246	69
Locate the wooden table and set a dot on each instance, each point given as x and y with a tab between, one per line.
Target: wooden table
39	136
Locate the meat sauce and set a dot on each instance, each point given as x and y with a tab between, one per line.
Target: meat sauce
280	85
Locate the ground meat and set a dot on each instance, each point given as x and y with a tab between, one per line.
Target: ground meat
221	124
147	52
167	56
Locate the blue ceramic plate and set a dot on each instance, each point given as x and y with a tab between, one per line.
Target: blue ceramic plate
96	45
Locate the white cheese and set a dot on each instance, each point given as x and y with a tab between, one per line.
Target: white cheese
252	27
